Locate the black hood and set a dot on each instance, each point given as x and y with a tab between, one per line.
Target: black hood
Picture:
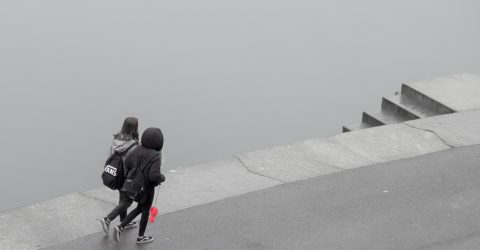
152	138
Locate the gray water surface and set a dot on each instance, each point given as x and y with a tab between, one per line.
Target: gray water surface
218	77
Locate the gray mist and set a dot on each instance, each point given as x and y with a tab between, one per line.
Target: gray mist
218	77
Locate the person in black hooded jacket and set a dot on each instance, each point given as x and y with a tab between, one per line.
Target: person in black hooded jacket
151	142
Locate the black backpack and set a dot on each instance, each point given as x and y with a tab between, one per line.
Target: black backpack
113	175
135	182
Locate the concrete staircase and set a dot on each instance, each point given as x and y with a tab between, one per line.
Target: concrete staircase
410	104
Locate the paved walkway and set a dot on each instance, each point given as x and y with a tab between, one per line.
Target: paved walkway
426	202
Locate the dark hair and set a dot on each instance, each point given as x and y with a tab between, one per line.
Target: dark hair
129	129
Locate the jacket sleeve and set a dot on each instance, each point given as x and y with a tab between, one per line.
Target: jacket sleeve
155	176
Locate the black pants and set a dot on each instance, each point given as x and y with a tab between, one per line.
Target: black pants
142	208
121	209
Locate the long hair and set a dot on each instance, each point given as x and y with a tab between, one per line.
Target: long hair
129	129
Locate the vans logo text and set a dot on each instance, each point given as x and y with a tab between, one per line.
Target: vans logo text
111	170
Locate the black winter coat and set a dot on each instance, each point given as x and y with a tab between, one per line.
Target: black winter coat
152	172
152	142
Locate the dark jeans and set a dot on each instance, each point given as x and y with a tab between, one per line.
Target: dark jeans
142	208
121	209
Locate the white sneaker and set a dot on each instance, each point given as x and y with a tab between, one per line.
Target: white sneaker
144	239
116	233
105	225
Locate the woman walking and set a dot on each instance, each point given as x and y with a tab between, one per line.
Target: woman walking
123	143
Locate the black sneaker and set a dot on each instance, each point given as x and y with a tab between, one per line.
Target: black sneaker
116	233
130	225
105	225
144	239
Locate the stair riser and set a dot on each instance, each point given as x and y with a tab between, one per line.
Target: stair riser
426	101
371	121
397	110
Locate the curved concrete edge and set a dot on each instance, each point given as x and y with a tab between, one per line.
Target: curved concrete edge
286	163
76	215
315	157
457	129
391	142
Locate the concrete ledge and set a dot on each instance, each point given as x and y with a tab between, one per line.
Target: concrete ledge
315	157
187	187
390	142
303	160
76	215
458	129
287	163
51	222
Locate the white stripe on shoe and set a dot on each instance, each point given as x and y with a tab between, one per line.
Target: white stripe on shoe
144	239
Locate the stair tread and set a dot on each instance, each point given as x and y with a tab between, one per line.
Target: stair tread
386	117
413	106
357	126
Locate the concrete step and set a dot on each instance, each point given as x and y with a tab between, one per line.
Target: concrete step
370	120
405	107
381	118
420	99
458	92
353	127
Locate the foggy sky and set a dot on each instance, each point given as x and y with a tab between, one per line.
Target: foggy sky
218	77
